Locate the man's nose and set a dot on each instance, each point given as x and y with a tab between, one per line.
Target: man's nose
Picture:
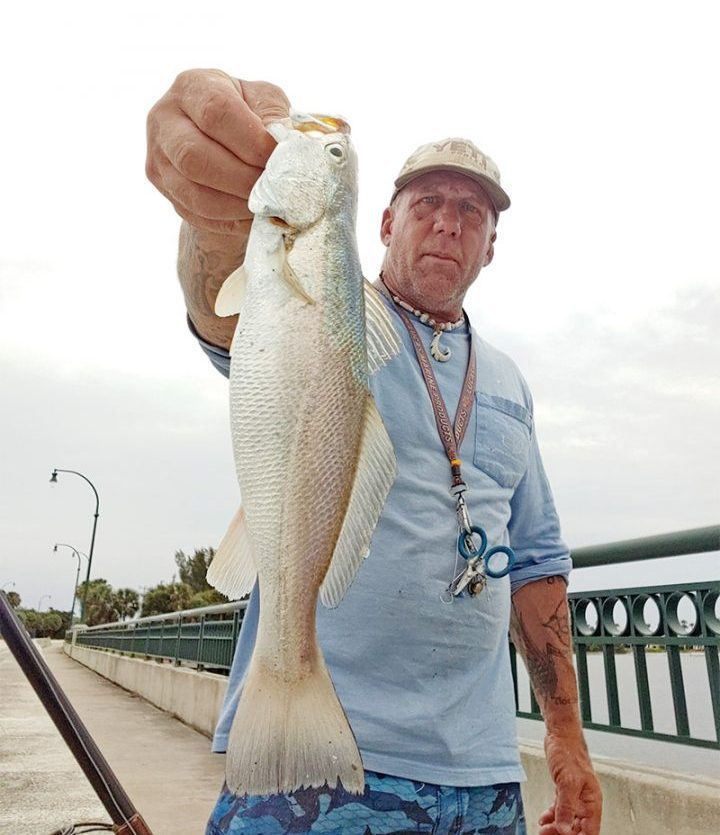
447	220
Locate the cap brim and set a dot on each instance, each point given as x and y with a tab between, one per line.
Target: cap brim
497	195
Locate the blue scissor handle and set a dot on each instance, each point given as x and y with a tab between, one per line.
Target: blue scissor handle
462	546
480	552
499	549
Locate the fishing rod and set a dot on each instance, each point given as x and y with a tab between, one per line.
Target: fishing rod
126	820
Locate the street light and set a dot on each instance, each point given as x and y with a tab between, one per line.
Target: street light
42	597
53	480
78	554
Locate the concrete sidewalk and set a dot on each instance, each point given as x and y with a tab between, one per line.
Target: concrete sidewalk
165	767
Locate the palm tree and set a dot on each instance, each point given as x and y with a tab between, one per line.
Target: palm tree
126	603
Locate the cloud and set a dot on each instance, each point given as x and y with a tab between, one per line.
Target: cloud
628	418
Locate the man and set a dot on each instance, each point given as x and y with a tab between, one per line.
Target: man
423	673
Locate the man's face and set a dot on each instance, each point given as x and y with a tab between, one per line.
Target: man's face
439	233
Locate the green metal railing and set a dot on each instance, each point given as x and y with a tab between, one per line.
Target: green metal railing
607	622
642	621
202	638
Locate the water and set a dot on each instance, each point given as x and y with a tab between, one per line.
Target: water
675	757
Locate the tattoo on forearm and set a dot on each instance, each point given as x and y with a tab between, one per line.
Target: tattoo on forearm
560	700
559	623
206	280
201	273
542	669
547	656
202	268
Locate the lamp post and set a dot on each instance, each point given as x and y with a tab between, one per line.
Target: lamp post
42	597
77	554
53	480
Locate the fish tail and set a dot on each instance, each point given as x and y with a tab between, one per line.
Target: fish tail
289	735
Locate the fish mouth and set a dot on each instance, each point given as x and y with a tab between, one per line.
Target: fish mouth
318	122
284	225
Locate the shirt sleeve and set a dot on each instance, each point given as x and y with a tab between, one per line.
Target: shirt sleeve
219	357
534	527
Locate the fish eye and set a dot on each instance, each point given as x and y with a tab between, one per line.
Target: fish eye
336	150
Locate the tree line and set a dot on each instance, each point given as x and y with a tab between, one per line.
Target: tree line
104	604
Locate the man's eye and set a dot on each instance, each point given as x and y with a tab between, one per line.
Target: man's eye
470	207
429	199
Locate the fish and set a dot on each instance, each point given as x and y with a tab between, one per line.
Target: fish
314	461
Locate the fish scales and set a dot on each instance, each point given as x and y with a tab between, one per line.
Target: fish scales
313	460
292	381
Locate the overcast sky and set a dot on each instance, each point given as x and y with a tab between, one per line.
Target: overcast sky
604	289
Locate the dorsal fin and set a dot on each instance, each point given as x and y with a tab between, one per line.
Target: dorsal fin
383	342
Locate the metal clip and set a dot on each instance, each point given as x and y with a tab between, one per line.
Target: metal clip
461	510
472	578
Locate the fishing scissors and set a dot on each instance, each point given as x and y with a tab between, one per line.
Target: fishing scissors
495	565
480	564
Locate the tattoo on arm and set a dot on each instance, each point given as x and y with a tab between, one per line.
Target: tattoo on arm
203	266
546	646
206	281
541	664
558	623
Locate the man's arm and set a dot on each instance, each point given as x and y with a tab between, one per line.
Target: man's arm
205	260
206	147
540	630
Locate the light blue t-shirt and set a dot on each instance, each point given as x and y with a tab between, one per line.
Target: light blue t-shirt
426	684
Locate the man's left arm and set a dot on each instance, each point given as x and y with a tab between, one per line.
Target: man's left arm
540	629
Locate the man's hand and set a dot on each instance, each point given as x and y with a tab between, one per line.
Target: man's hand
540	630
578	798
207	145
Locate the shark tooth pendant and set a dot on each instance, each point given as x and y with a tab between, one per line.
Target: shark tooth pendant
438	353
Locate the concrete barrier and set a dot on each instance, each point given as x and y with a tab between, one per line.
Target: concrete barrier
193	697
638	800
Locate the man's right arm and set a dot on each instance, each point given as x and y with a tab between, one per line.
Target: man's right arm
206	147
205	260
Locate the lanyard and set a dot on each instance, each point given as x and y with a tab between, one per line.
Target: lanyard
451	435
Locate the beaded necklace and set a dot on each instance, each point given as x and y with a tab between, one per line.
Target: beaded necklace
437	352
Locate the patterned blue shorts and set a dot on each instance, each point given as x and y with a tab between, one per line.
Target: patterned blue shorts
390	806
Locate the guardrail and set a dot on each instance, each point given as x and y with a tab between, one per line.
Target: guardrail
204	638
670	619
611	621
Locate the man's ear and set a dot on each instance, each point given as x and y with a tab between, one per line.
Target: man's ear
490	251
386	226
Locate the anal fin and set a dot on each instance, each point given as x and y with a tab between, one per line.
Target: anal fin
374	475
232	570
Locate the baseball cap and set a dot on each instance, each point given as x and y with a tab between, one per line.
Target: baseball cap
455	154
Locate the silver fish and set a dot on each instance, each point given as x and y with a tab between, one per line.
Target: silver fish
314	461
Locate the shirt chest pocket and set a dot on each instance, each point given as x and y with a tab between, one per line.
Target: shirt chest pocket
502	438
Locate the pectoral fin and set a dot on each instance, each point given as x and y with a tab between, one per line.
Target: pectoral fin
232	293
383	342
292	280
374	474
232	570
